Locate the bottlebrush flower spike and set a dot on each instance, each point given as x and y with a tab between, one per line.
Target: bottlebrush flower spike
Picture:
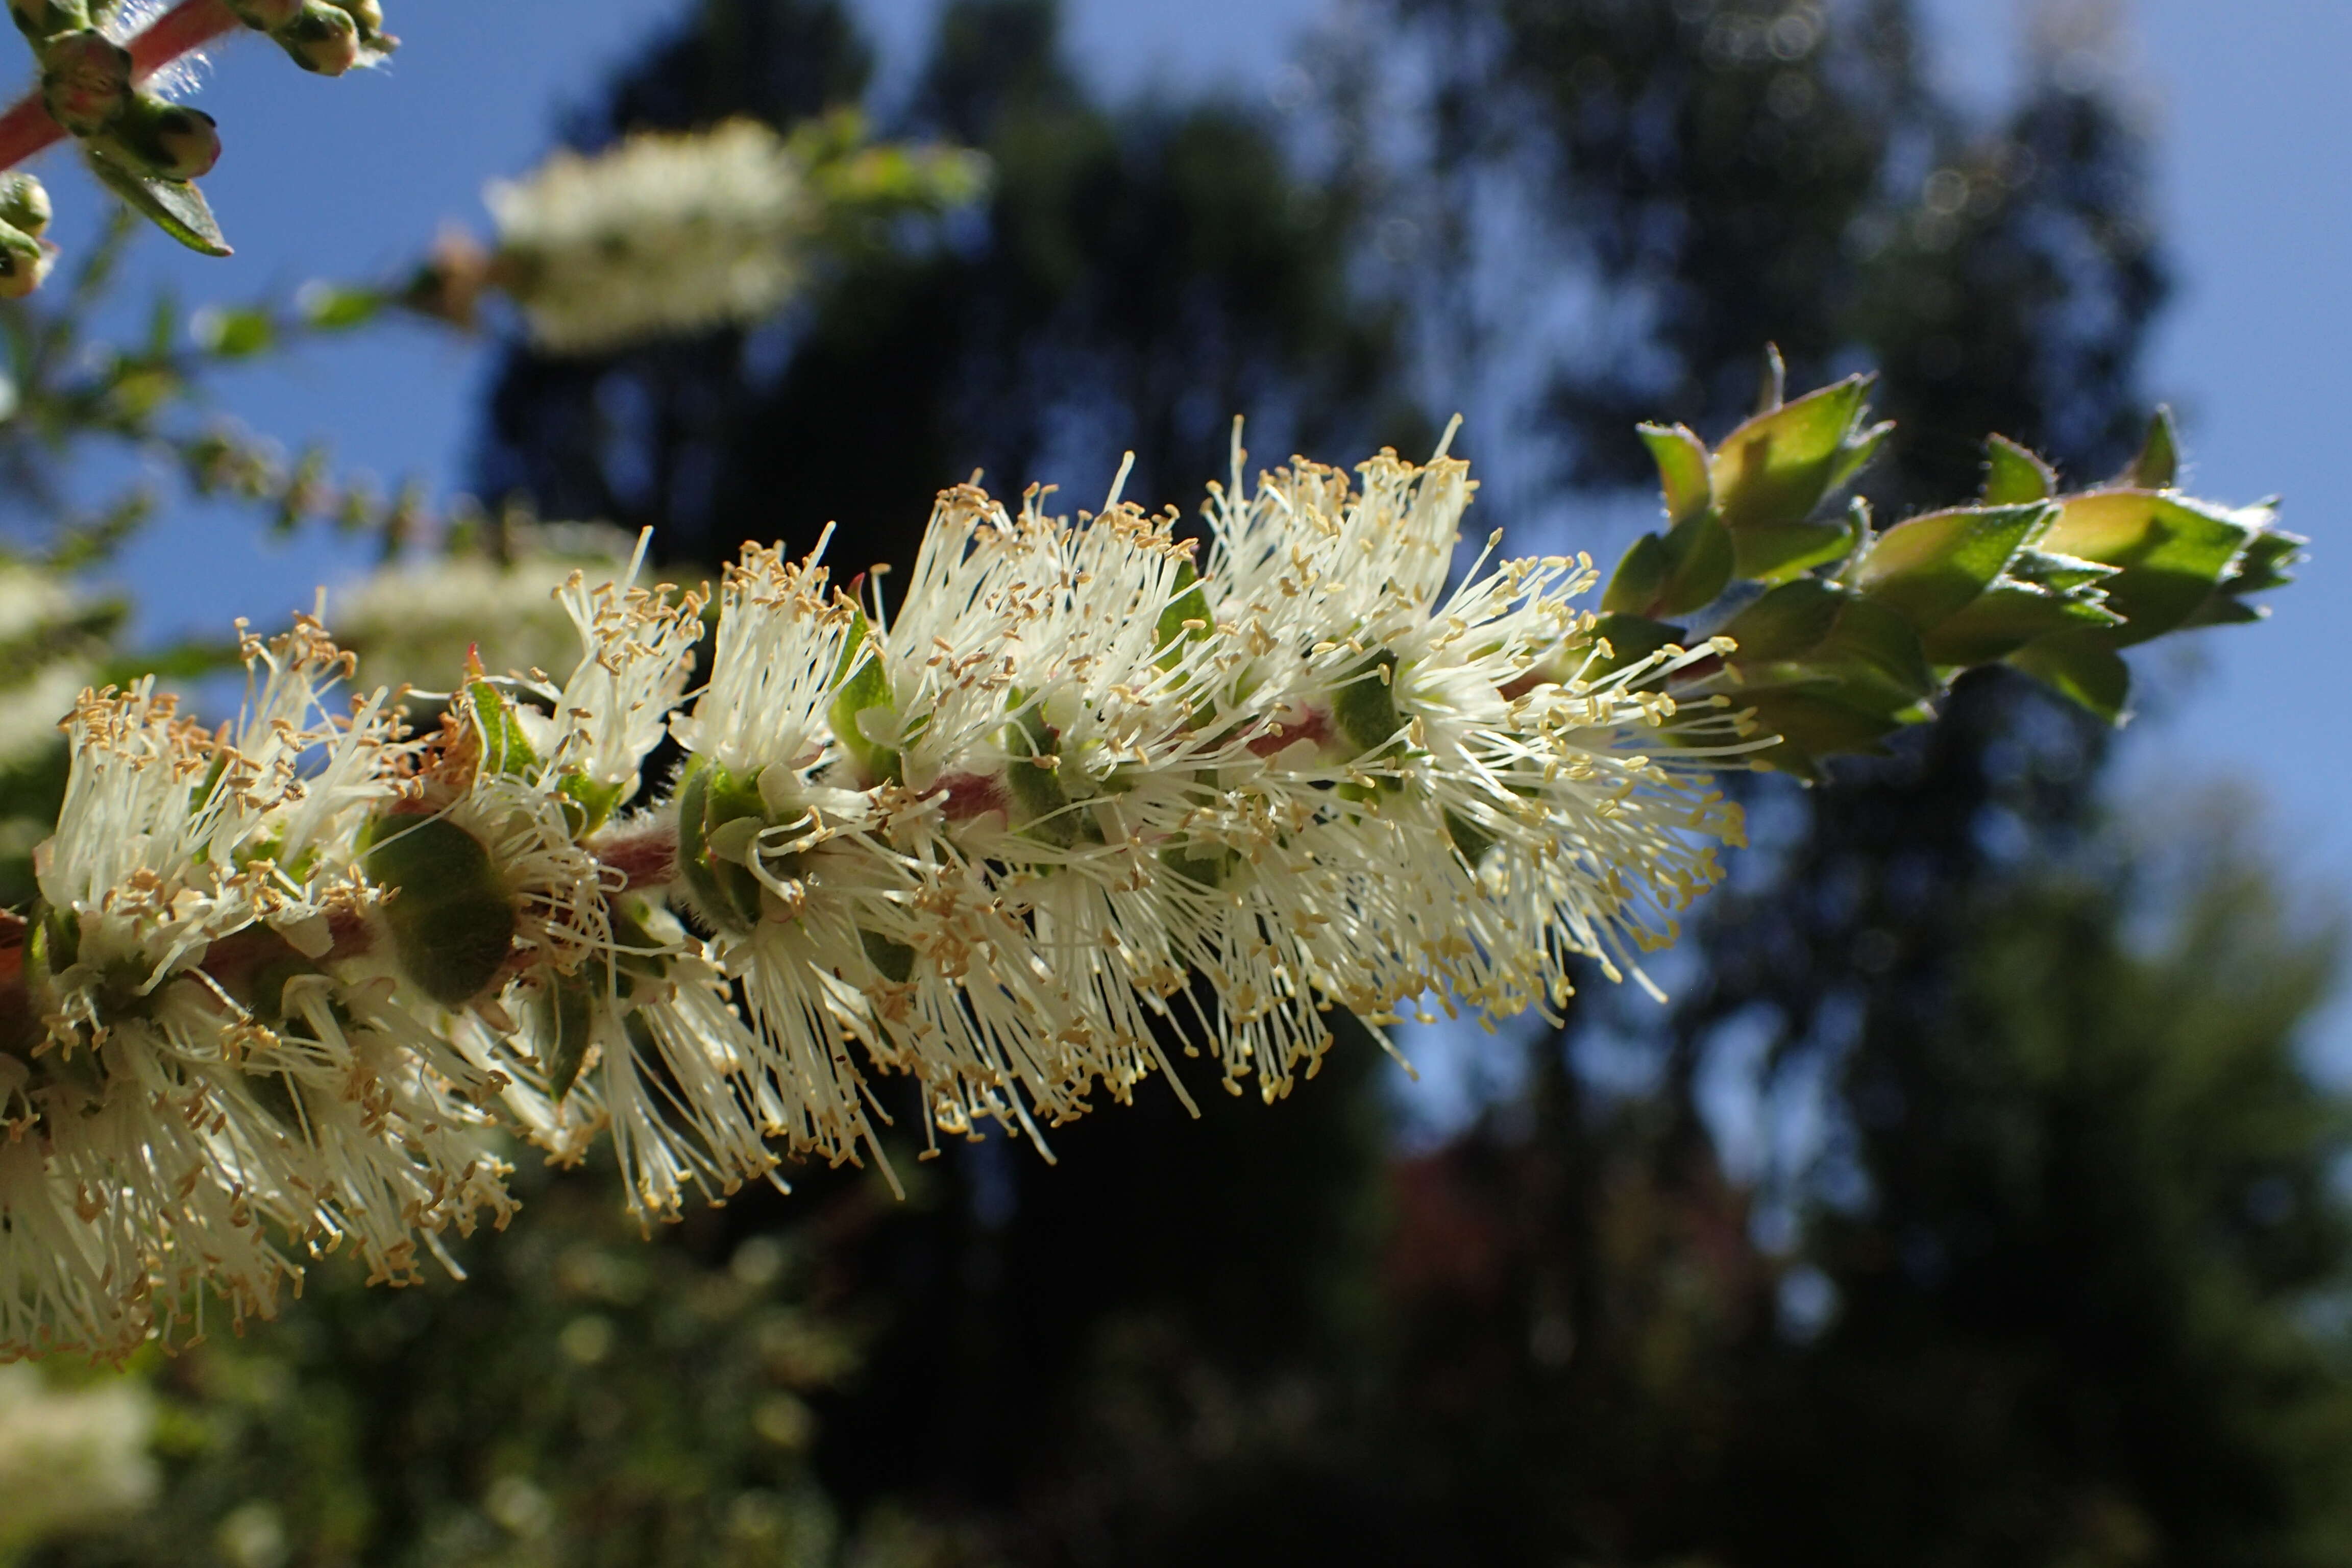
1082	797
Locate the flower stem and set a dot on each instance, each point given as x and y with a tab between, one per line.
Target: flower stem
27	128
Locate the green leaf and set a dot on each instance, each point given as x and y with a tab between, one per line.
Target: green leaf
1812	724
2262	566
2007	616
2081	666
1776	467
2158	461
233	333
330	307
1189	605
2014	475
1699	561
175	206
2059	573
1635	586
861	687
1630	639
1930	566
1787	621
1874	654
2170	551
506	749
1682	468
1778	552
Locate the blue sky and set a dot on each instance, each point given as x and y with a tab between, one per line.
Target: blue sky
348	178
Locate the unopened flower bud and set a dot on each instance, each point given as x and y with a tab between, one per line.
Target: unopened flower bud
85	80
24	203
161	141
323	39
24	262
268	16
367	12
46	18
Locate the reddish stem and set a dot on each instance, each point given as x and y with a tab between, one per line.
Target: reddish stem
27	128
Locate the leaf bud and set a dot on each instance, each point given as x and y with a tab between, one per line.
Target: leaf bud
368	13
24	203
161	141
323	38
24	262
85	80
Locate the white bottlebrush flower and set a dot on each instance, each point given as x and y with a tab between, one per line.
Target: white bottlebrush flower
1072	800
187	1094
71	1457
659	235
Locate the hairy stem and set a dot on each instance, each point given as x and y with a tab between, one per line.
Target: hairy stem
27	128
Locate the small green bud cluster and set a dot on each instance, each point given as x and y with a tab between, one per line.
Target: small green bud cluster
24	257
328	36
144	148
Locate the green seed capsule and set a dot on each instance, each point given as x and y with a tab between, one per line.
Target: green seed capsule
1032	775
323	39
367	12
159	140
1364	708
1472	840
85	80
895	960
452	921
723	892
24	204
24	263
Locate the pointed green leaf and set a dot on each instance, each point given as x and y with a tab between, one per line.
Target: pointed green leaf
1775	469
2007	616
1929	567
1787	621
1633	587
2059	573
860	686
1813	725
2173	552
1777	553
2158	462
1699	561
1184	619
2014	475
2081	666
1772	387
1682	468
2262	566
506	749
175	206
1874	654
